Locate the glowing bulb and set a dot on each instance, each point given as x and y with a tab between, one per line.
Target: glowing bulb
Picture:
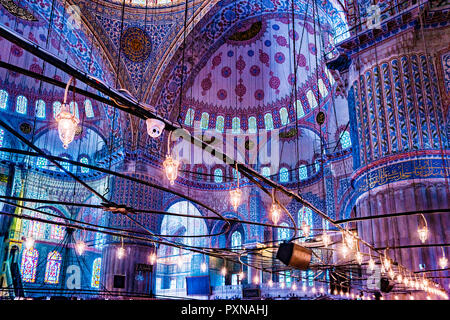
120	253
235	198
344	250
80	246
399	278
396	297
276	212
241	275
29	243
326	239
224	271
359	257
67	125
428	298
335	292
313	290
443	261
341	293
171	168
387	263
282	285
306	228
371	264
391	274
423	234
294	287
304	288
270	283
256	280
349	240
152	258
180	262
411	297
203	266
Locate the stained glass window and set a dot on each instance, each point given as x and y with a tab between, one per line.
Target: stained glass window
88	108
317	165
189	120
2	137
99	240
218	175
310	278
204	123
265	171
236	239
57	230
65	165
29	264
40	109
305	214
56	108
21	105
235	175
322	88
85	161
283	233
32	228
311	99
199	174
268	121
284	116
236	125
96	268
252	127
73	106
3	99
220	123
300	111
284	174
302	172
329	75
53	268
346	142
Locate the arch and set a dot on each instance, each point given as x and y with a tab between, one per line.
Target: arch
236	125
88	109
302	172
283	233
265	171
284	116
56	108
218	175
305	215
312	101
29	264
345	139
284	174
236	239
53	268
220	124
322	88
204	122
189	120
300	110
84	160
268	121
252	126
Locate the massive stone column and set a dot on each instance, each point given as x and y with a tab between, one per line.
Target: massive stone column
397	106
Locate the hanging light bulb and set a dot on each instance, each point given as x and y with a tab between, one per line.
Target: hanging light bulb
270	283
326	239
371	264
313	290
67	122
256	280
399	278
203	267
120	252
235	198
321	290
241	275
171	168
387	263
358	257
306	228
391	274
282	285
294	287
275	212
304	288
443	261
80	246
423	231
180	261
29	243
344	250
349	239
152	258
224	271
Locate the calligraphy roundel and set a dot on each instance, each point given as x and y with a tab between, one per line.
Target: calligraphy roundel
136	44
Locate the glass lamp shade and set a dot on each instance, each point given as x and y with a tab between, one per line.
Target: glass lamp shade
306	228
171	168
29	243
443	261
371	264
276	213
423	234
120	253
67	125
203	267
359	257
326	239
235	198
80	246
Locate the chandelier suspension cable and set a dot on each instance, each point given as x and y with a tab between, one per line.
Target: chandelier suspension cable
179	119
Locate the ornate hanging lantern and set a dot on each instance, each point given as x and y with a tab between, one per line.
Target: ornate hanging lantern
236	194
80	247
275	210
423	231
67	122
170	165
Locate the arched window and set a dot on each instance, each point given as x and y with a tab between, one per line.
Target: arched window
40	109
99	240
29	264
189	120
65	165
53	268
330	76
3	99
268	121
346	142
96	269
322	88
317	165
310	278
235	175
199	173
84	160
236	239
88	108
283	233
2	137
21	105
220	124
284	116
32	228
284	174
252	127
311	99
218	175
57	232
236	125
265	171
72	106
204	123
56	108
305	214
300	111
302	172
